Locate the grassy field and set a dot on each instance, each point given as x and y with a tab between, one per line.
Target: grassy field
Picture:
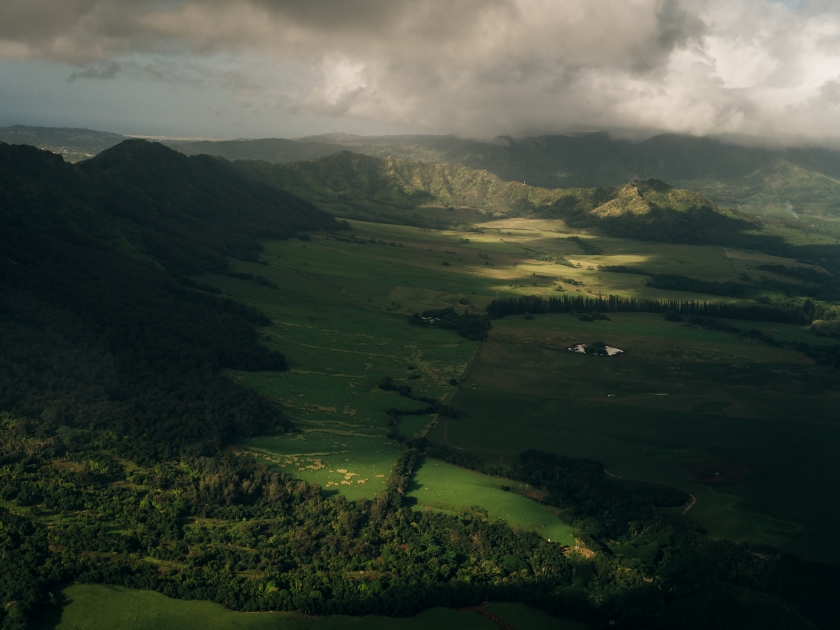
339	316
680	405
98	607
341	333
680	402
441	486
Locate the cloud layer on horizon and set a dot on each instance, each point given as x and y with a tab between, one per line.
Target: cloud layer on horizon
754	69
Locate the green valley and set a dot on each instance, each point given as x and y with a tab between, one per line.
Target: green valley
411	411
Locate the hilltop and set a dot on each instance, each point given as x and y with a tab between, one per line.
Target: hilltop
651	210
392	181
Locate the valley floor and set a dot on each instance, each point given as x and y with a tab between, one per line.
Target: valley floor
680	402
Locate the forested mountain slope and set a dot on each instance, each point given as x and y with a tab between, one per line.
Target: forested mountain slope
649	209
96	333
190	213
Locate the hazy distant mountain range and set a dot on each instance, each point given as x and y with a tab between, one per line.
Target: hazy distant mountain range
776	182
73	144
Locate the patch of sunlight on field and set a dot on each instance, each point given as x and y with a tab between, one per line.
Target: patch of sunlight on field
338	319
355	466
442	486
99	607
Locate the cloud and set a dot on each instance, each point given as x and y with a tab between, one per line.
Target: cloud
755	69
107	70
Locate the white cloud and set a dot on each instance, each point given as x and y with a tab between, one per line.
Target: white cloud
751	68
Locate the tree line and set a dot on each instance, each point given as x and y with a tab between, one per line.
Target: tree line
472	326
502	307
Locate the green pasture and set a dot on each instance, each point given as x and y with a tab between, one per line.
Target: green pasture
338	354
524	257
339	315
441	486
544	265
678	397
411	426
100	607
337	318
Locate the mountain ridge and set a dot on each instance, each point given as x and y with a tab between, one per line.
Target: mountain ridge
649	209
779	182
776	182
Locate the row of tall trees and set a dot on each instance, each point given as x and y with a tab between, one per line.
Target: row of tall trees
502	307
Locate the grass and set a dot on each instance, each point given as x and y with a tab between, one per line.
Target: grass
729	403
441	486
341	333
95	607
340	317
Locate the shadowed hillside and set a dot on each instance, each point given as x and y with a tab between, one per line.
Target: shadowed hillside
96	334
189	213
348	176
654	210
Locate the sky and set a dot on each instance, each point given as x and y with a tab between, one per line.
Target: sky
756	71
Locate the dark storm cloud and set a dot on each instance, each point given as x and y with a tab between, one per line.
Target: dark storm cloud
80	31
477	67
